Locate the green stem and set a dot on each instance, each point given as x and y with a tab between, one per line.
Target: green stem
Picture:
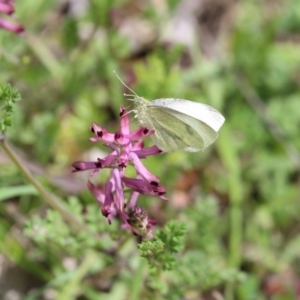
71	288
234	183
137	281
49	198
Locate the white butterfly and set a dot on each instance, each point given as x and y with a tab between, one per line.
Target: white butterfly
180	125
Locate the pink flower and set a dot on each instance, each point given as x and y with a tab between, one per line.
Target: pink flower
7	7
127	149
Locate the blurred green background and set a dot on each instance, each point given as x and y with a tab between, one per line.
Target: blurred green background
240	198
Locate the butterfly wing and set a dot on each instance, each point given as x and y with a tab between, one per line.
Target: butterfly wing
178	132
207	134
199	111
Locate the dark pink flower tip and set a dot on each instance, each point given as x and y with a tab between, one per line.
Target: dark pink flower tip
11	27
140	133
86	165
144	187
101	163
6	8
101	134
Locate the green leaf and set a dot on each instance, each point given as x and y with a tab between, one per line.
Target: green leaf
8	97
7	193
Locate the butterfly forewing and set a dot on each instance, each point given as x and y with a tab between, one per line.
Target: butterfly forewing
180	125
207	134
199	111
171	133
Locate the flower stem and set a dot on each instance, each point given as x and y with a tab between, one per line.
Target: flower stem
49	198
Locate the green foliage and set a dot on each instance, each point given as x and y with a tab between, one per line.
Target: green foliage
202	271
168	241
203	266
8	97
54	234
236	205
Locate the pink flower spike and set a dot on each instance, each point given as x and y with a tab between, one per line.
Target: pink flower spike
127	150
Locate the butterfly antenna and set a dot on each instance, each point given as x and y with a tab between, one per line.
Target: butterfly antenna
128	106
128	112
132	97
125	84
